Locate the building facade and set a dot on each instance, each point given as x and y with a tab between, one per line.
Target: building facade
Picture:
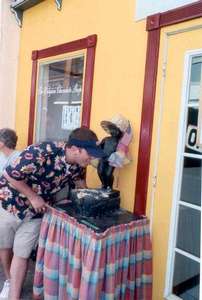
82	62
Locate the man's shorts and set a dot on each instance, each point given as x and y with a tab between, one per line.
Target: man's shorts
19	235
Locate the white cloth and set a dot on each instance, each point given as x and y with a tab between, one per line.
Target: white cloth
6	160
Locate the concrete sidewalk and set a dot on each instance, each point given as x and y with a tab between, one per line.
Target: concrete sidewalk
27	289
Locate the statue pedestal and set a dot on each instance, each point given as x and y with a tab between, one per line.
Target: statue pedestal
94	202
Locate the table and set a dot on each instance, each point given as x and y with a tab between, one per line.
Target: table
76	263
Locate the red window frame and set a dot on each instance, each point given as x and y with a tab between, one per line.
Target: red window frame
88	43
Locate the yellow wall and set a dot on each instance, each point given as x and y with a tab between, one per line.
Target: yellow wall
119	65
168	109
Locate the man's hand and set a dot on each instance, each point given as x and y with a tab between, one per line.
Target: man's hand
38	203
80	184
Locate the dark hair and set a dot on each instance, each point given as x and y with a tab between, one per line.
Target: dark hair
8	137
82	134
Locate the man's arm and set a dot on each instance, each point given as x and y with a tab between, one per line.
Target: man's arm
36	201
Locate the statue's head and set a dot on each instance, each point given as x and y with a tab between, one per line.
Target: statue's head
111	129
116	126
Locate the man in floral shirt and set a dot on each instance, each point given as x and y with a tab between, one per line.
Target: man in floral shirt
26	187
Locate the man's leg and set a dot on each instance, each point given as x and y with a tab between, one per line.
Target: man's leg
6	257
26	239
18	273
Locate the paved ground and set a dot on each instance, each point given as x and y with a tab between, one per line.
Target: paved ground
27	290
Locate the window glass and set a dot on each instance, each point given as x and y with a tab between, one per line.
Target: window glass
191	181
193	109
191	133
194	89
59	98
188	233
186	278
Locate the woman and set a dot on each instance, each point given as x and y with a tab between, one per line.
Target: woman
8	141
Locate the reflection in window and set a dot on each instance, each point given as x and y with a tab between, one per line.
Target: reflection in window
191	133
194	91
59	98
191	181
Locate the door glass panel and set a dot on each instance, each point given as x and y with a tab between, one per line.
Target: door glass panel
191	181
191	133
194	89
186	251
59	98
188	233
186	278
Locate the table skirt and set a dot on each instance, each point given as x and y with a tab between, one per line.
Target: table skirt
75	263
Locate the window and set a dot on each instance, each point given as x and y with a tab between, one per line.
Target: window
61	89
59	98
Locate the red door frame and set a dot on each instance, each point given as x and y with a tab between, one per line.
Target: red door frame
154	25
88	43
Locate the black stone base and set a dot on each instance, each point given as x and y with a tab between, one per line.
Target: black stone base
94	202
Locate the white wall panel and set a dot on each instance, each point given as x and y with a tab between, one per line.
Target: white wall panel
9	51
145	8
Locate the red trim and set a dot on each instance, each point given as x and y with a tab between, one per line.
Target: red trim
154	23
88	86
147	121
185	13
89	43
32	97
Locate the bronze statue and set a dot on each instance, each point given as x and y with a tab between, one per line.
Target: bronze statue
109	145
99	201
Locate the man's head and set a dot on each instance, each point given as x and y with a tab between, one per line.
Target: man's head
8	138
82	146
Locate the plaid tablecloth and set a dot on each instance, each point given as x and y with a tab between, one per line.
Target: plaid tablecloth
75	263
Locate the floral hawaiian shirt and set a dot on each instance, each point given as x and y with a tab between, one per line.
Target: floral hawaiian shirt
44	169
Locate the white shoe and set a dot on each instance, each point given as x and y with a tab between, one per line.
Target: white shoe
5	291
